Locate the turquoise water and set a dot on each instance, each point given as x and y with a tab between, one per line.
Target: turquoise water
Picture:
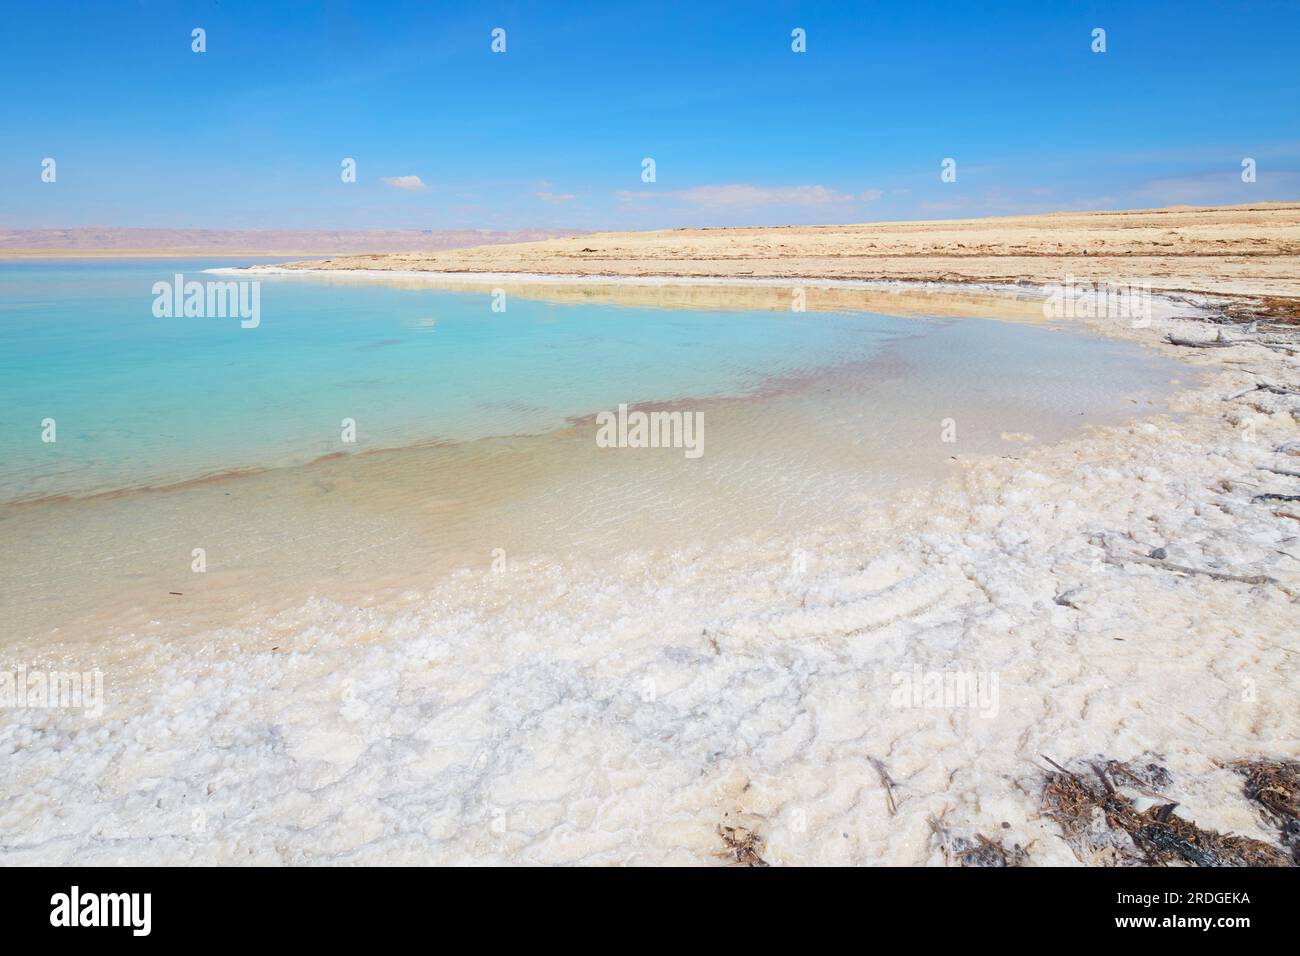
140	400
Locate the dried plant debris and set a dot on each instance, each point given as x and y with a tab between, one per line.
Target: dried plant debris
887	784
1275	786
1269	310
1149	778
984	852
743	847
979	850
1106	827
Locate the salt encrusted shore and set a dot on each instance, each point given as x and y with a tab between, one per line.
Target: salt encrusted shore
1134	590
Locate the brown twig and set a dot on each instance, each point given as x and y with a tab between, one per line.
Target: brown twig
887	782
1184	569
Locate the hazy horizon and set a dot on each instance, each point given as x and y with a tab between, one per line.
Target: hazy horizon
99	237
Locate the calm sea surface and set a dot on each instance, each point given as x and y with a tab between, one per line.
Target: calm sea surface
139	400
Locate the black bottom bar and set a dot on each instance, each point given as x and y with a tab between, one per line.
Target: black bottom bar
303	906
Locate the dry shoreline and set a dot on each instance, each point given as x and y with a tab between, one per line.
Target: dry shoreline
1250	250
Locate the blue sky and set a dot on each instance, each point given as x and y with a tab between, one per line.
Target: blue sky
552	133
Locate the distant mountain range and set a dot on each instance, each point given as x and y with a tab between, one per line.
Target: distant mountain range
104	239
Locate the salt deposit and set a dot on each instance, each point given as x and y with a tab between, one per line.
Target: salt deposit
564	712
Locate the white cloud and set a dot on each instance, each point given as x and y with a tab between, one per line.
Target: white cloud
411	183
746	195
546	194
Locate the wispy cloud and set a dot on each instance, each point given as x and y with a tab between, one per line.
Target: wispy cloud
1221	186
746	195
1000	201
547	194
410	183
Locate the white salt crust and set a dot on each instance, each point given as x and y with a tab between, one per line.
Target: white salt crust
560	713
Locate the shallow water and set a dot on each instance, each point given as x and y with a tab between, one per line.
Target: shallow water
475	435
141	401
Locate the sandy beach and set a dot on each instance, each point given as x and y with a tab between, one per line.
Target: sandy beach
1124	598
1232	249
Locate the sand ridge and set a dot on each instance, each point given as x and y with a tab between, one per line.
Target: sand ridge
1248	250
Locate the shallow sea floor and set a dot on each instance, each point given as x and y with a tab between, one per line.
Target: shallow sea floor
475	436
